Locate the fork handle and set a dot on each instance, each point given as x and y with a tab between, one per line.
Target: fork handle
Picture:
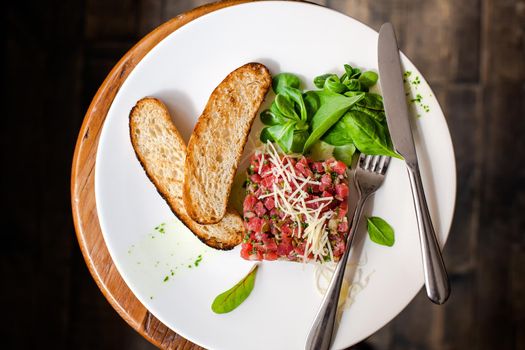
320	336
436	279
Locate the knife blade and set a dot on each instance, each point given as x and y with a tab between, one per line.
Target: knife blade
398	120
394	99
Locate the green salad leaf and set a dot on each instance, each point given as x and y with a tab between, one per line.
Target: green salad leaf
345	153
312	103
283	80
320	80
285	105
282	134
332	83
368	79
343	114
270	118
338	135
380	231
236	295
333	106
372	101
368	135
296	96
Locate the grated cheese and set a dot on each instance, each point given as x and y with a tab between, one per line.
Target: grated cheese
292	204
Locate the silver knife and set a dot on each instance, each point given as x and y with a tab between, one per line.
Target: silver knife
398	119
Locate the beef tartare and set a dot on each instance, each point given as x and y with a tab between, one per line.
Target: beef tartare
295	208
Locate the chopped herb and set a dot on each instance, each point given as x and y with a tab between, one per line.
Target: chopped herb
172	272
198	261
166	278
417	99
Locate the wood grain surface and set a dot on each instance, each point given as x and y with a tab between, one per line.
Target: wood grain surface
83	204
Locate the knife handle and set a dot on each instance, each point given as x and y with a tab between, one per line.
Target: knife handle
436	279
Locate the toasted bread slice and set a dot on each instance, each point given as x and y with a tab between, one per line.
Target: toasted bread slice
161	151
218	140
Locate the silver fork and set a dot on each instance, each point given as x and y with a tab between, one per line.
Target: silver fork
368	177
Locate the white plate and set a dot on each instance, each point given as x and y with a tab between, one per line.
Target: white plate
182	70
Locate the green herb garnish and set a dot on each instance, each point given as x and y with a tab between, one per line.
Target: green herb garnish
235	296
380	231
198	260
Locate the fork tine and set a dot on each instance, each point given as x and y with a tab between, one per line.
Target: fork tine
375	161
362	158
385	164
367	162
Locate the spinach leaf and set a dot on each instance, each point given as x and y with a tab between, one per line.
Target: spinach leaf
378	116
372	101
269	118
345	153
285	80
299	138
265	135
233	297
278	115
296	96
368	79
380	231
321	151
353	85
368	136
311	102
333	84
338	135
285	105
351	73
333	106
320	80
354	93
283	135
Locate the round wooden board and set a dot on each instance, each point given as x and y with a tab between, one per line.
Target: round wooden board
83	203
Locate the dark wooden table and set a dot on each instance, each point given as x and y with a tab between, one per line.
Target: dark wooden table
56	54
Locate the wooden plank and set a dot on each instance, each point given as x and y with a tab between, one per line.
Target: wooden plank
110	19
448	29
150	15
43	90
500	284
175	8
503	36
462	108
500	291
